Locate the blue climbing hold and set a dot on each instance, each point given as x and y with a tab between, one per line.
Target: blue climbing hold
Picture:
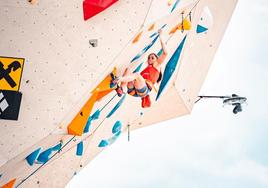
0	175
86	129
175	5
96	115
145	49
114	138
57	147
115	108
153	35
138	68
32	157
103	144
117	127
201	29
44	156
170	68
79	149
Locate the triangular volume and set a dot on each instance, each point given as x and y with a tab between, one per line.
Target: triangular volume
93	7
170	68
9	184
201	29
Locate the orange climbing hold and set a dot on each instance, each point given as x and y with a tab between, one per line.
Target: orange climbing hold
77	126
137	38
105	84
186	26
9	184
151	27
170	2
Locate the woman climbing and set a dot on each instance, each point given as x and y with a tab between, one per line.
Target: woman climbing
140	84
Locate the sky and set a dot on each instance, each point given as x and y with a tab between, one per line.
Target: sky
211	147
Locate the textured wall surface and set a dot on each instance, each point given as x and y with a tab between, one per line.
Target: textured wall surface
62	68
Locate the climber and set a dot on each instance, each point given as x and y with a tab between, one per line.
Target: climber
140	84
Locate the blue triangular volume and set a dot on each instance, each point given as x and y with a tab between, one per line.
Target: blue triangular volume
33	156
117	127
79	149
170	68
115	108
201	29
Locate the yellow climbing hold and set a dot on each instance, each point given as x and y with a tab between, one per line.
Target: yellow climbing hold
137	38
186	26
151	27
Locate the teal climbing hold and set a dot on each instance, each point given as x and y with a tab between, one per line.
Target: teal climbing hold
170	68
114	138
103	144
57	147
138	68
117	127
79	149
145	49
44	156
175	5
115	108
96	115
86	129
200	29
33	156
0	175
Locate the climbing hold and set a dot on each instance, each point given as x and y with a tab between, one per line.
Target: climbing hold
205	21
10	184
170	68
93	7
145	49
117	127
103	143
185	25
115	108
44	156
104	85
151	27
78	124
200	29
114	138
93	42
175	5
33	2
170	2
33	156
138	68
57	147
79	149
137	38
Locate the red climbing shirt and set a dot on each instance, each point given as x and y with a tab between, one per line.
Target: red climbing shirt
150	73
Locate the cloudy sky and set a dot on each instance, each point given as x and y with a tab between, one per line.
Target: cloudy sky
211	147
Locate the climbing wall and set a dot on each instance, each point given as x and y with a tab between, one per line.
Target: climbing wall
66	116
